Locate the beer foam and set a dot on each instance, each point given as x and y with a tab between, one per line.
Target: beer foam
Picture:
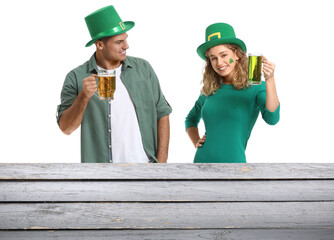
106	75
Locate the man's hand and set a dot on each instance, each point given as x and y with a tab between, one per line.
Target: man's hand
89	86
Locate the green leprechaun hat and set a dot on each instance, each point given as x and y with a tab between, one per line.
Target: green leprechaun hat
216	34
106	22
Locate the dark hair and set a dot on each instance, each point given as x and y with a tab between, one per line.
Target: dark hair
104	40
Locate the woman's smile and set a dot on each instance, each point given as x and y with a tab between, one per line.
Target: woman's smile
222	68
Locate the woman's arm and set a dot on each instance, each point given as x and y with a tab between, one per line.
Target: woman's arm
194	137
272	101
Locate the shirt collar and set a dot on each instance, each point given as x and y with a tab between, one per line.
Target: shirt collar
127	63
92	64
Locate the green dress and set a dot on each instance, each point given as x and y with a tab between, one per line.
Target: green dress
229	116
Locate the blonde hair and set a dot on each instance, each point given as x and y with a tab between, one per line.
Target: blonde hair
211	80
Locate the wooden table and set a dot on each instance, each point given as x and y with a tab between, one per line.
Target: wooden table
167	201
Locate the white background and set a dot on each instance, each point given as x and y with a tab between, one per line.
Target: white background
41	41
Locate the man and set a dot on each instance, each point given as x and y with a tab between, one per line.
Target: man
132	128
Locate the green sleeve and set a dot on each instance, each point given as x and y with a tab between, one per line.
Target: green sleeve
269	117
162	106
68	94
195	113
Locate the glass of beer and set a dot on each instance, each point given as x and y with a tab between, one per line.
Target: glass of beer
106	84
254	68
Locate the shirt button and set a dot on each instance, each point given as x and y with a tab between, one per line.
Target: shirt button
109	115
109	146
110	160
109	130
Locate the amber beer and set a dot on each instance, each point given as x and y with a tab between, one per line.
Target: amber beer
254	68
106	84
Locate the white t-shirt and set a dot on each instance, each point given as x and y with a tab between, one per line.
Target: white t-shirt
126	140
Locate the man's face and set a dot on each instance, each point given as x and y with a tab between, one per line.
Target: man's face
114	48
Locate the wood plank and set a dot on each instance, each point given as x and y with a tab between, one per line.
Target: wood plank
216	234
167	215
160	191
167	171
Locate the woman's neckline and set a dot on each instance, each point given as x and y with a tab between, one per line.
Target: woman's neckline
227	85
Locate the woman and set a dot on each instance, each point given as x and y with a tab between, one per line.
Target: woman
229	106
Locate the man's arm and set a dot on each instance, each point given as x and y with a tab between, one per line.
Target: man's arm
71	118
163	139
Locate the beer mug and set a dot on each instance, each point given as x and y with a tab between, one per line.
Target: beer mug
254	68
106	84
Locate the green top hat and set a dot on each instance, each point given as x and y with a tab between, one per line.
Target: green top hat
106	22
216	34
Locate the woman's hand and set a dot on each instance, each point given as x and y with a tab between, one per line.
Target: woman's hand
200	142
268	69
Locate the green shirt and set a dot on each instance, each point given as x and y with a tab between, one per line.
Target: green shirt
229	116
143	87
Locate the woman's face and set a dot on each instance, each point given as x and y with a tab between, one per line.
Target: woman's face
223	60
